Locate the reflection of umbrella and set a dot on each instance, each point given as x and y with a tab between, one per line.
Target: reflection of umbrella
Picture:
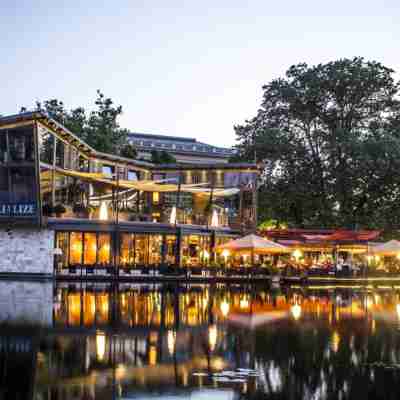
252	321
390	248
255	244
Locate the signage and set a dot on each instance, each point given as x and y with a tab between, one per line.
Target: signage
17	209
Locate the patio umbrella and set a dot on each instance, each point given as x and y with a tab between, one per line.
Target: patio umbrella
254	244
390	248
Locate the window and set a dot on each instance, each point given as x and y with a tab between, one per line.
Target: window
90	248
22	185
21	144
3	147
107	170
104	248
4	189
132	176
75	248
156	197
46	145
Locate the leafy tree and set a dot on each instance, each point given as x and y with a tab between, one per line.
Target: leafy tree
162	157
129	151
99	128
329	137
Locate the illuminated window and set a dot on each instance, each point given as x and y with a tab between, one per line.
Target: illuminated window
90	249
75	248
104	248
156	197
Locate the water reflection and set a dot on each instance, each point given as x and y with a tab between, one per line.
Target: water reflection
128	341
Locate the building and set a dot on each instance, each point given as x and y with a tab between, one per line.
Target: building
185	150
61	199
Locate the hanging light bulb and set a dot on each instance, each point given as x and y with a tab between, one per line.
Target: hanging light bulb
103	213
172	217
214	219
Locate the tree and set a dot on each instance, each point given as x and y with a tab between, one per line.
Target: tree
99	128
329	137
162	157
129	151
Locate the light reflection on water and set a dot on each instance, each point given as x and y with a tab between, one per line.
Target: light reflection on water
141	341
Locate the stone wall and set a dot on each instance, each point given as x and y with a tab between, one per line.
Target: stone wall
26	302
27	251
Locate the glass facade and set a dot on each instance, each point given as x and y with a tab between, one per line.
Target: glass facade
83	248
141	249
18	185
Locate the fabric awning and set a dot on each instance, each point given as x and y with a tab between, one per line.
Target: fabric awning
255	244
390	248
147	185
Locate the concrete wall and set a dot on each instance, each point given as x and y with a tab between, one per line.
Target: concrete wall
26	251
26	302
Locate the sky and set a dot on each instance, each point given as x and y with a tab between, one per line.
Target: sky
183	68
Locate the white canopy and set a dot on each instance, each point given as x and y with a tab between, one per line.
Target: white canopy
256	244
390	248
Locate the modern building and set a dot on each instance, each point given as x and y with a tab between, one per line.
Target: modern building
185	150
61	199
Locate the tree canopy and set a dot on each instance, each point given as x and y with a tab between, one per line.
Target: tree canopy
330	140
99	127
162	157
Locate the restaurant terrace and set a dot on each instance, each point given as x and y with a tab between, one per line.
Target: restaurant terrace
114	215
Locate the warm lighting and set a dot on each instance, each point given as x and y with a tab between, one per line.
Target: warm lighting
214	219
297	254
156	197
100	346
103	213
226	254
171	341
206	255
369	258
398	310
244	303
398	256
296	311
212	336
172	217
225	308
335	341
152	355
377	258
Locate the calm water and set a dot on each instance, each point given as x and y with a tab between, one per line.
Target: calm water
216	342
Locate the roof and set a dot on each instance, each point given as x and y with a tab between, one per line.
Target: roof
315	236
70	137
178	145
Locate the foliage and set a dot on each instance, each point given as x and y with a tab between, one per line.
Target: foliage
329	138
99	127
59	209
129	151
162	157
47	210
272	224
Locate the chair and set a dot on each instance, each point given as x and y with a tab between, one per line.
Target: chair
72	269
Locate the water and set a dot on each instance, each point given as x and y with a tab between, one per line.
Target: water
198	342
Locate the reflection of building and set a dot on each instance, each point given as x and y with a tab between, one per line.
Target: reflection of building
108	210
185	150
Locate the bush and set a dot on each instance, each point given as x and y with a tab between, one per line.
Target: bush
59	209
48	209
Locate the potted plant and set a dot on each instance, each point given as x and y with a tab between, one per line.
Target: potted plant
80	210
59	209
47	210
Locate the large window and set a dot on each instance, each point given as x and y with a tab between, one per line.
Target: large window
142	249
87	248
18	186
